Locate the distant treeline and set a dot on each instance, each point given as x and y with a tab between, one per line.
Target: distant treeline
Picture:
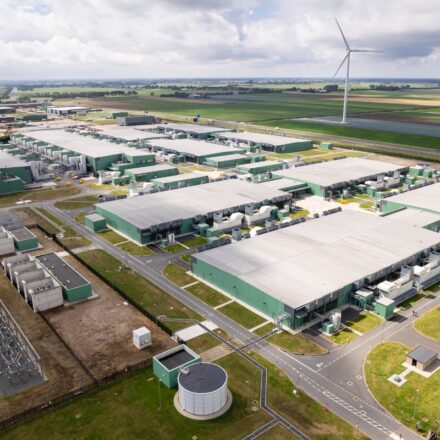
389	87
94	94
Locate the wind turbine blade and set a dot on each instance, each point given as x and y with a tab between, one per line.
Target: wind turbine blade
366	50
340	65
343	36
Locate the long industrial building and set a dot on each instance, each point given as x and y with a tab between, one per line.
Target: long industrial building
124	133
192	150
314	267
326	177
426	198
268	142
14	173
191	130
70	148
149	218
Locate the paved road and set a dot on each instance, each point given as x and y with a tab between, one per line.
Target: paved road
326	378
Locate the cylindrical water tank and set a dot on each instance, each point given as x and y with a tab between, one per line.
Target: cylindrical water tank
203	389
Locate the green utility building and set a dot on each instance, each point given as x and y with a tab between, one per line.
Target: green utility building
14	173
95	222
191	130
296	273
232	160
24	240
167	365
260	167
150	218
426	198
180	180
331	177
75	287
145	174
268	142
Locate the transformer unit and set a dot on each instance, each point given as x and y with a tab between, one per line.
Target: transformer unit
400	289
142	337
429	273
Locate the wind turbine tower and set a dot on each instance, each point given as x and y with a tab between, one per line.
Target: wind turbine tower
346	60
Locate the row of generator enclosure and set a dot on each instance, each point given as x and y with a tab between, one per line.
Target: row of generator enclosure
309	269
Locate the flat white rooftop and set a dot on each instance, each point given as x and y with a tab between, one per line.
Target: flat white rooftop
427	198
235	156
263	163
338	171
193	128
193	147
10	161
303	263
260	138
281	184
154	209
127	133
150	169
86	145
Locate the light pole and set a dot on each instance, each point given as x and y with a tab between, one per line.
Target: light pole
415	403
160	395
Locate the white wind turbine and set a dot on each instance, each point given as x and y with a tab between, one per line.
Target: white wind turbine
347	75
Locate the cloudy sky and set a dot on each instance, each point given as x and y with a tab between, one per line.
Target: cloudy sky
56	39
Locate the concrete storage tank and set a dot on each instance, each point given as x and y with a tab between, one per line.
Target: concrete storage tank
203	391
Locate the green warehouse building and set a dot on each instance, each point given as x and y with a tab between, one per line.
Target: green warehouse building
74	286
297	273
95	222
14	173
121	133
229	161
180	180
150	218
426	198
145	174
68	147
327	178
267	142
260	167
191	150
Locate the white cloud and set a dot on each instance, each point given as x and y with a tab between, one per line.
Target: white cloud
175	38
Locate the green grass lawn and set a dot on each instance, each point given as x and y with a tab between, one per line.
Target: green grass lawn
411	301
207	294
385	360
129	410
186	258
134	249
100	186
429	324
242	315
302	411
194	241
112	236
433	289
119	192
343	336
77	203
367	205
36	195
364	322
71	238
278	432
173	248
296	343
205	342
139	289
360	133
177	275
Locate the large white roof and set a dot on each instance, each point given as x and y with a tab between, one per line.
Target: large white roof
338	171
193	128
260	138
185	203
80	144
193	147
427	197
303	263
126	133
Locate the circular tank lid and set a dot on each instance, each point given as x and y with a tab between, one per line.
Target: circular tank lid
202	378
